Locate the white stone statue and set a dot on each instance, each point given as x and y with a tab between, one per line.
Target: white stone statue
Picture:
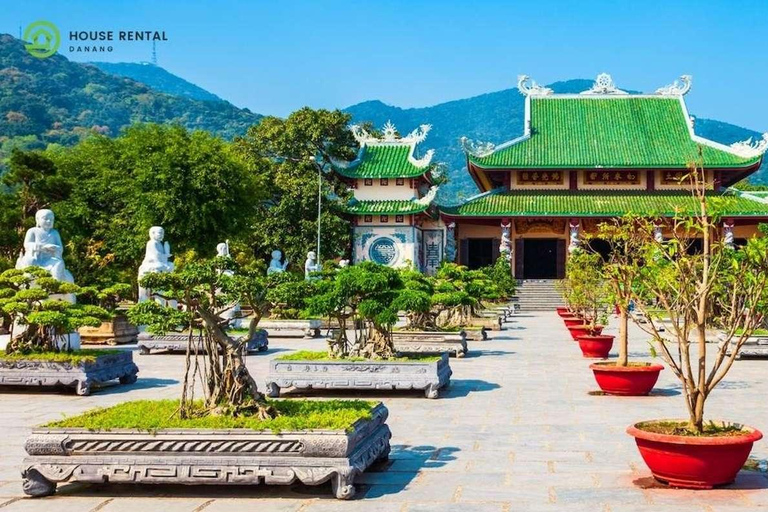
450	242
311	265
728	238
232	312
275	266
574	243
505	246
156	258
343	263
43	248
658	233
222	249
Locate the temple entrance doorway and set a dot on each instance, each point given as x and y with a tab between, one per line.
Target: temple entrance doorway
479	252
540	258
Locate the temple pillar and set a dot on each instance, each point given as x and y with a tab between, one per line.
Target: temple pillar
505	245
450	242
728	233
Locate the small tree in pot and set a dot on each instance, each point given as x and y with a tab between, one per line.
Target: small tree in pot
621	271
587	291
717	287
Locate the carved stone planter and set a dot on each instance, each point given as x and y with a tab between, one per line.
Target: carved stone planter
178	342
31	373
754	346
293	328
429	375
425	344
118	331
205	457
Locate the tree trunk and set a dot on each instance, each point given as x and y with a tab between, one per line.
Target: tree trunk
623	359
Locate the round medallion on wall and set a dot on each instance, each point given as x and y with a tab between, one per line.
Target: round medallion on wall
383	251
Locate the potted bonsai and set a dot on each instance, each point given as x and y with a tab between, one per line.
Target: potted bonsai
40	349
287	296
115	330
719	287
621	271
232	434
368	360
588	296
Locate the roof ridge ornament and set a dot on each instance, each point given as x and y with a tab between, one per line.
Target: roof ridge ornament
390	134
424	160
477	149
529	87
428	197
604	85
749	148
677	88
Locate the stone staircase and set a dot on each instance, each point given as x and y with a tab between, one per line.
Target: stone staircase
537	295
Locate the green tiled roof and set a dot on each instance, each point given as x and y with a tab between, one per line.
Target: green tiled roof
383	161
613	132
385	207
589	203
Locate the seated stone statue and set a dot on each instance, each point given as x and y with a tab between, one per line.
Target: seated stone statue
311	265
43	248
156	258
275	266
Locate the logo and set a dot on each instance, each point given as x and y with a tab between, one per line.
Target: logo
42	39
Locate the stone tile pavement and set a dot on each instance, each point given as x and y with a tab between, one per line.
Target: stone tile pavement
518	430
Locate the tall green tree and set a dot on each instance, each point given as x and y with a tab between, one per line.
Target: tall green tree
287	155
191	183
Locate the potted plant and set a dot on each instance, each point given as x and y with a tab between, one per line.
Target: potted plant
589	296
719	286
621	271
232	434
368	360
40	351
115	330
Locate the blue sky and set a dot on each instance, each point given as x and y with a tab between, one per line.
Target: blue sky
274	57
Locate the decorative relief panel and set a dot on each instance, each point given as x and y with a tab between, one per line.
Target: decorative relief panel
612	178
540	178
550	226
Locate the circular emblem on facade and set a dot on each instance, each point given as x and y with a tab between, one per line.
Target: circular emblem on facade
383	251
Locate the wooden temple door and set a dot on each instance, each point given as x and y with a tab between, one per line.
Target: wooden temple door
519	255
561	259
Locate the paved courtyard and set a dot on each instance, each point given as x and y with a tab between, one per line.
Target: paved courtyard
519	429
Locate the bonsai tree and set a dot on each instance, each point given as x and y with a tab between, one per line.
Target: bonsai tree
40	322
367	291
206	290
718	287
416	300
587	290
108	298
500	276
287	294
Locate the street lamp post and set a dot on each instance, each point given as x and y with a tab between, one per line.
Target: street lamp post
319	200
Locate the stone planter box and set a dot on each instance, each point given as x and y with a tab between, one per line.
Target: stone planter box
422	342
366	375
31	373
492	323
178	342
205	457
118	331
293	328
754	346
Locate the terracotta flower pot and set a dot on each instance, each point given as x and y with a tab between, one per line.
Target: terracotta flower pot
583	329
572	320
694	462
598	345
633	380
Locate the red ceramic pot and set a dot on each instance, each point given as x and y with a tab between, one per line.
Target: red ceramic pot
572	320
595	346
562	311
634	380
694	462
583	329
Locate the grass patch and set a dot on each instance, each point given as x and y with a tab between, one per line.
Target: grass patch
309	355
153	415
75	358
680	428
756	332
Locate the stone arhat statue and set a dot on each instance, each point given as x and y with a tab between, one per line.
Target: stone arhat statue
222	249
43	248
275	266
311	265
156	258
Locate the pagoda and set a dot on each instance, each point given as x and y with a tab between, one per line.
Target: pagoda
394	218
584	158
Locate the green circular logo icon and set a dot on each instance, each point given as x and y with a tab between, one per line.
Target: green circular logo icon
42	39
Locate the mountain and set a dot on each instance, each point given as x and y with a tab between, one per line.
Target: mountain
498	117
54	100
157	78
